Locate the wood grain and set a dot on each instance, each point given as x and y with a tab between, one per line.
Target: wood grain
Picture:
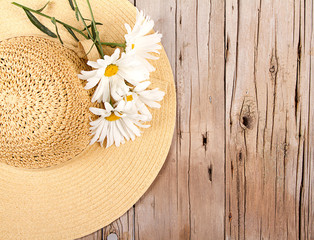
267	119
240	165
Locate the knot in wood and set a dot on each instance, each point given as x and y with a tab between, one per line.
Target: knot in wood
247	114
272	69
273	65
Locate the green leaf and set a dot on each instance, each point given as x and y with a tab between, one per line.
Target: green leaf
53	20
77	14
71	4
40	10
93	31
38	24
71	32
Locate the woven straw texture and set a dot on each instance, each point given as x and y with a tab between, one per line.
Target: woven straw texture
44	108
88	187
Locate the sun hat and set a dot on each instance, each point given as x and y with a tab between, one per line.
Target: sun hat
53	185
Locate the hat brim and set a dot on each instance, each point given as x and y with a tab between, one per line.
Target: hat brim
99	185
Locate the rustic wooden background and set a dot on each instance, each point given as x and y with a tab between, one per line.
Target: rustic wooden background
241	162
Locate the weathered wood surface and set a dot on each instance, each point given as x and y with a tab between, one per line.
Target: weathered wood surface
241	162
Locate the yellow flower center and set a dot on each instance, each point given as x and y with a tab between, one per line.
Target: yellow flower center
111	70
129	98
133	45
112	117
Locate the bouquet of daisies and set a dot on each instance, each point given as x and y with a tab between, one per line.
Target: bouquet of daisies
121	81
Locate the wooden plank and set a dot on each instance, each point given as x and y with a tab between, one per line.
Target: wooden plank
306	211
267	118
187	200
206	121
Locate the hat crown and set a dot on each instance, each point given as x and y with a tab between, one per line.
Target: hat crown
44	116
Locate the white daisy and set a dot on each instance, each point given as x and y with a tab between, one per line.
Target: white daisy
116	124
111	73
141	42
139	98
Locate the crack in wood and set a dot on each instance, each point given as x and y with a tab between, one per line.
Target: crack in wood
232	169
227	48
240	156
210	173
296	195
230	217
204	136
255	67
297	85
274	70
301	196
180	58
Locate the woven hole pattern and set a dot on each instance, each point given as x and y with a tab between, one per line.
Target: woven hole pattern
44	116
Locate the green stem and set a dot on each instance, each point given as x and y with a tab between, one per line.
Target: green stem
88	31
96	31
111	44
46	16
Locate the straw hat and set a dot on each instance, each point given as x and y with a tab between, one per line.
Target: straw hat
53	185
